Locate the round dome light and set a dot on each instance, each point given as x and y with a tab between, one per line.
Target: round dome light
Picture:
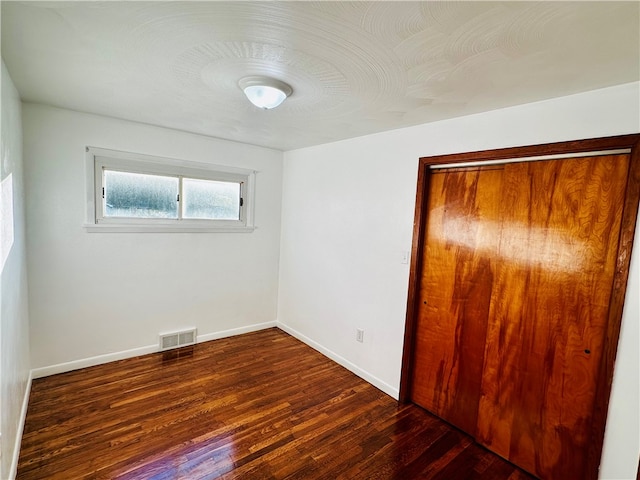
265	92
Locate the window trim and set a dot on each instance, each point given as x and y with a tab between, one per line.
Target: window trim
99	158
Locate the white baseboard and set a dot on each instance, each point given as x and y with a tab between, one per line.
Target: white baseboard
373	380
92	361
13	470
236	331
134	352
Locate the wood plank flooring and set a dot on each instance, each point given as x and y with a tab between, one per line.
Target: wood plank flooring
256	406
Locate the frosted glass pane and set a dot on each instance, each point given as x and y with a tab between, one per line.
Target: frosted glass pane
140	196
210	199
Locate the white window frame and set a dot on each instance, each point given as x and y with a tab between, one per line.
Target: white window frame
99	159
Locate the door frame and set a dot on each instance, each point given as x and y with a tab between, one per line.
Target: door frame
627	230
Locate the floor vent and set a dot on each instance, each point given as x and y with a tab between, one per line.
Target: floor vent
177	339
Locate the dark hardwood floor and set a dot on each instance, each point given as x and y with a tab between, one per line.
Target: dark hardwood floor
256	406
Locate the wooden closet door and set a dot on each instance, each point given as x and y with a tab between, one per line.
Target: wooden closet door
549	311
517	275
460	253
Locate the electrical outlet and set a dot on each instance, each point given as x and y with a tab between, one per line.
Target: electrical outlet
360	335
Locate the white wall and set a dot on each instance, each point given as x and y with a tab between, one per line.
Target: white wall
14	315
348	216
108	295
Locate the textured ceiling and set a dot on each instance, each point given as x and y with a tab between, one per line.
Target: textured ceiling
355	67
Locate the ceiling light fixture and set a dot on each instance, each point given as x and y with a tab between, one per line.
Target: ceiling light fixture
265	92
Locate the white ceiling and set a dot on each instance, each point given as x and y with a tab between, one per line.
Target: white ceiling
355	67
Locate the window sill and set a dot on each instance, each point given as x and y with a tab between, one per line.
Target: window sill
102	228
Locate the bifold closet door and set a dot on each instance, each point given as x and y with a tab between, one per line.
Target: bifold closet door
518	266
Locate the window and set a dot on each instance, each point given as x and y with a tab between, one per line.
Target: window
138	195
131	192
